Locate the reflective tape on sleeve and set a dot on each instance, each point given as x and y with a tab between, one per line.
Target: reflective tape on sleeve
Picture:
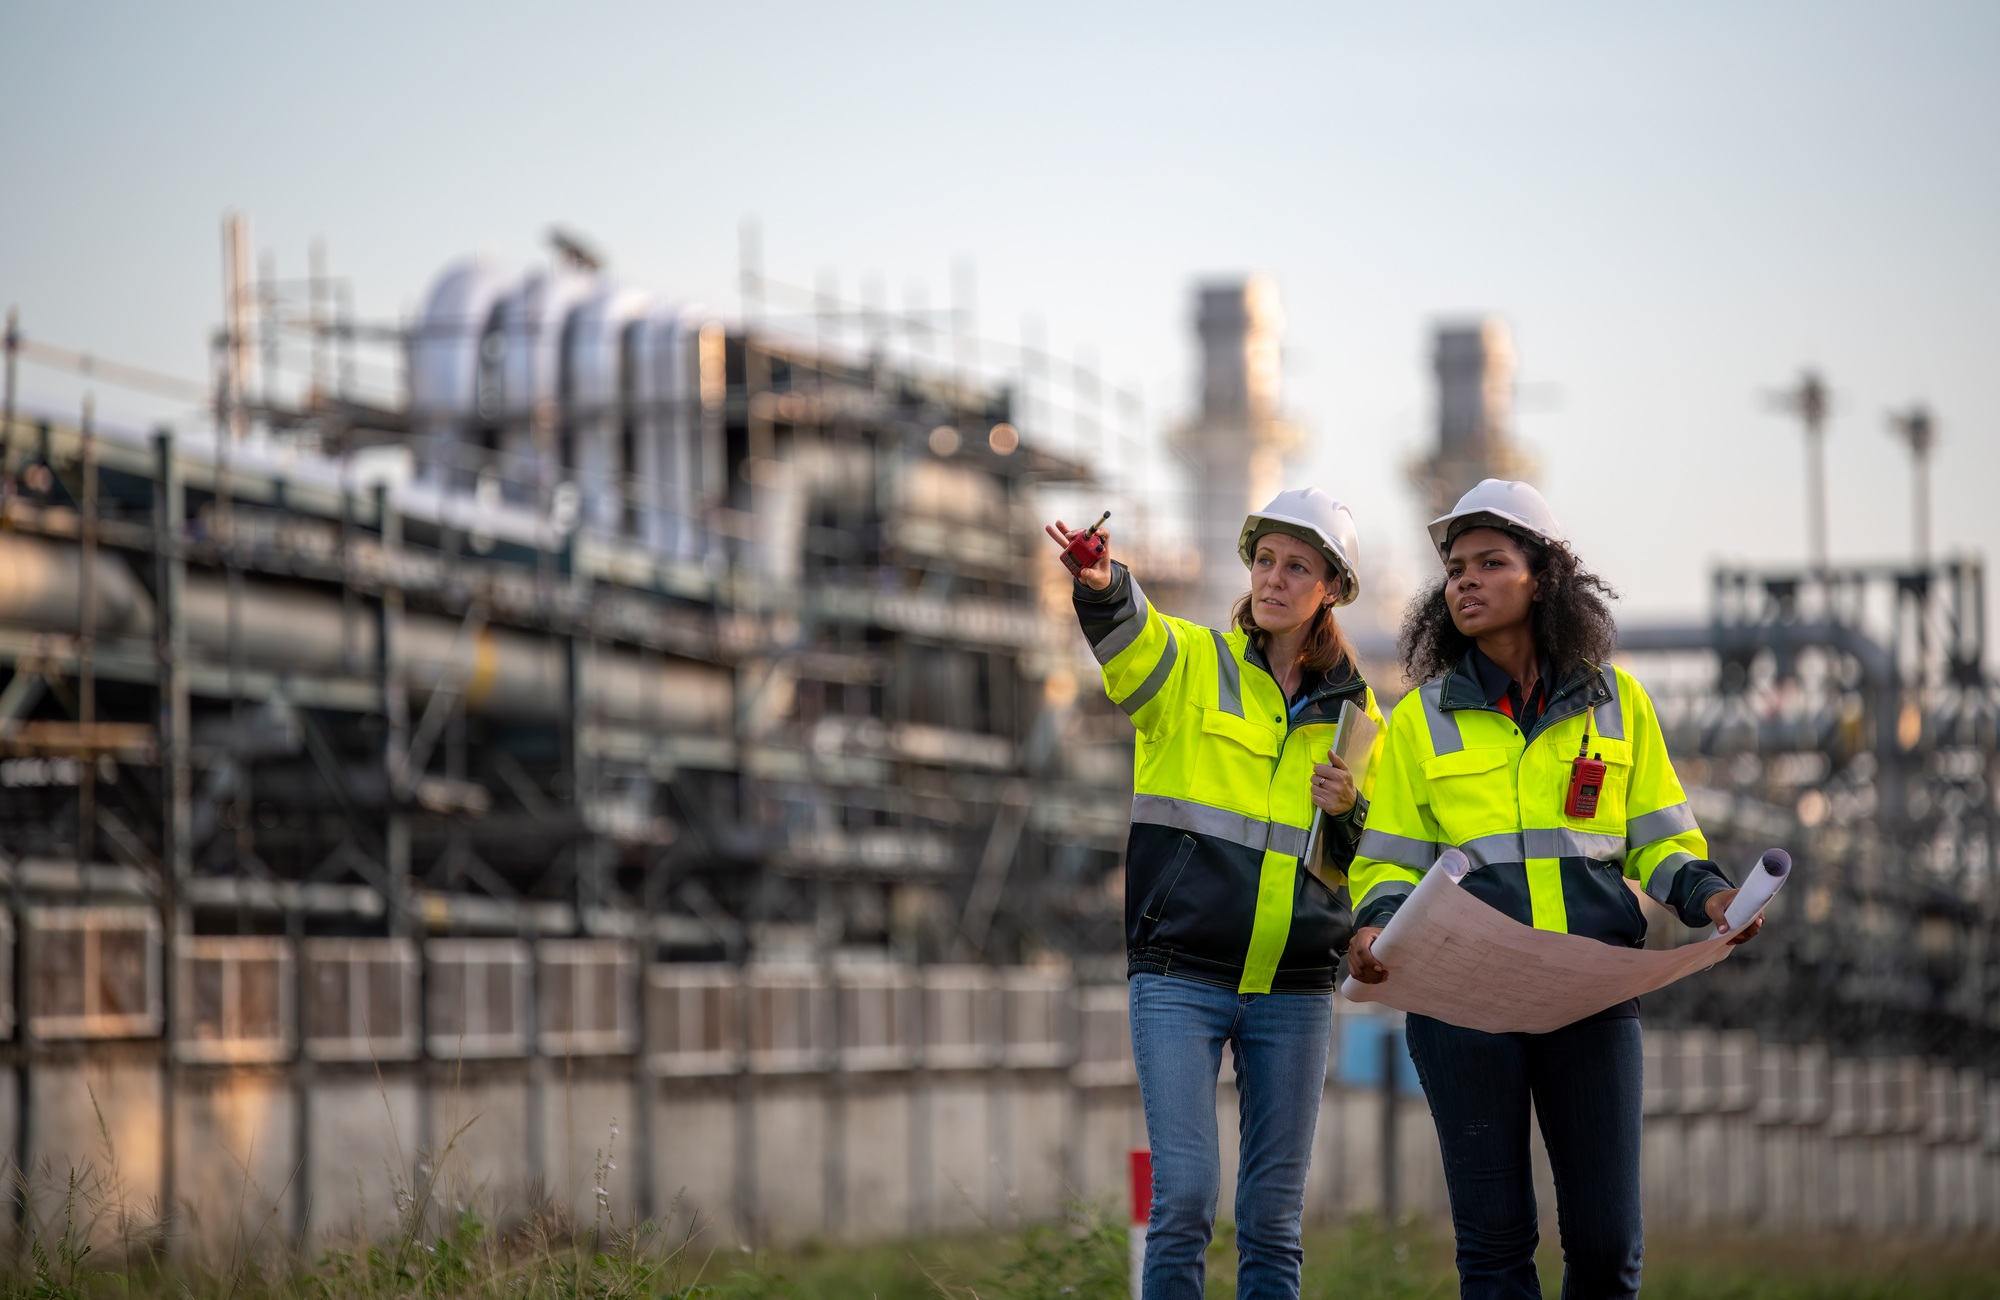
1661	882
1147	689
1647	827
1132	616
1417	855
1384	889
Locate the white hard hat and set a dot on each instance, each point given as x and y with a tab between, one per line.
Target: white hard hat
1317	520
1498	503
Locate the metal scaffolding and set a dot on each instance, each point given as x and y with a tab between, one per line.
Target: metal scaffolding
1850	713
668	640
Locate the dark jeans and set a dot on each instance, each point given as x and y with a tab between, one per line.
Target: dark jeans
1280	1041
1584	1081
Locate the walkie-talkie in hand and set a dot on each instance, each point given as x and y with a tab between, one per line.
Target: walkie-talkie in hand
1086	548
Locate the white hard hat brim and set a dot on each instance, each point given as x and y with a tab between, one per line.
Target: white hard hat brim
1443	532
1256	525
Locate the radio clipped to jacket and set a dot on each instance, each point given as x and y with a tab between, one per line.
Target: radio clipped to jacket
1586	781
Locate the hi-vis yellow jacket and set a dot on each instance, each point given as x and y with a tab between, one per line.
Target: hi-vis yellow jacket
1458	772
1222	801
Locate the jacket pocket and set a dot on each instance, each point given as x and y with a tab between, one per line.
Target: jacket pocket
1472	793
1464	762
1156	902
1253	736
1323	915
1637	913
1231	763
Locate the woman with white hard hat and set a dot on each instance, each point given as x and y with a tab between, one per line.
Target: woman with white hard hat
1230	937
1526	749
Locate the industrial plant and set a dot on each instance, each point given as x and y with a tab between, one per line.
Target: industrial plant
574	746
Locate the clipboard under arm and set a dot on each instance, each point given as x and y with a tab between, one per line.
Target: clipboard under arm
1353	742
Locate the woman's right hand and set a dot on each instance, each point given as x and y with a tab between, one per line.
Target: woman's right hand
1098	576
1361	963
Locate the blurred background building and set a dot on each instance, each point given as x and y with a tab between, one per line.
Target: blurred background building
623	710
1473	363
1236	445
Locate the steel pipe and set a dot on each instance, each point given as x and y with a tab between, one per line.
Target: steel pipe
503	672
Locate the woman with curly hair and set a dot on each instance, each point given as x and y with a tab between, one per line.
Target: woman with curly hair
1525	749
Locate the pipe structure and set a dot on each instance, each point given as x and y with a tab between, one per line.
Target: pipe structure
503	673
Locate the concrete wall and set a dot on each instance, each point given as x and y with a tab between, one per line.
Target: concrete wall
1738	1134
364	1131
94	1125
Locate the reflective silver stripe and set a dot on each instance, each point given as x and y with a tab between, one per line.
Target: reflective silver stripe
1651	826
1387	889
1417	855
1138	699
1562	842
1444	728
1558	842
1489	849
1661	882
1204	819
1128	627
1288	839
1228	682
1610	719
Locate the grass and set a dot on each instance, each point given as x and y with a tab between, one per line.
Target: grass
1360	1261
1684	1267
457	1255
82	1242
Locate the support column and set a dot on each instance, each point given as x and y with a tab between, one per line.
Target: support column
593	885
403	919
86	642
395	712
170	632
747	1225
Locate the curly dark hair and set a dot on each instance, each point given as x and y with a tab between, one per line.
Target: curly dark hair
1573	623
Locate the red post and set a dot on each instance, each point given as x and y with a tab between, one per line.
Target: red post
1142	1187
1142	1212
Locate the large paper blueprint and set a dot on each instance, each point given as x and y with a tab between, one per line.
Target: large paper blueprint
1455	959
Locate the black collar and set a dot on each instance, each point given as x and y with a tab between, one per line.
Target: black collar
1320	694
1580	688
1494	680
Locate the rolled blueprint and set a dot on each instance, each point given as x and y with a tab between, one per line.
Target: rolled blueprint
1452	864
1454	958
1764	881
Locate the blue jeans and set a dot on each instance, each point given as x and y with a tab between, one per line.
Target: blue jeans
1280	1039
1584	1081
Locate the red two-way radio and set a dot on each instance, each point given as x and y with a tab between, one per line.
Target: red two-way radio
1586	780
1085	548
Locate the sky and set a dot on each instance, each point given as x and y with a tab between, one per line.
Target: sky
1675	207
